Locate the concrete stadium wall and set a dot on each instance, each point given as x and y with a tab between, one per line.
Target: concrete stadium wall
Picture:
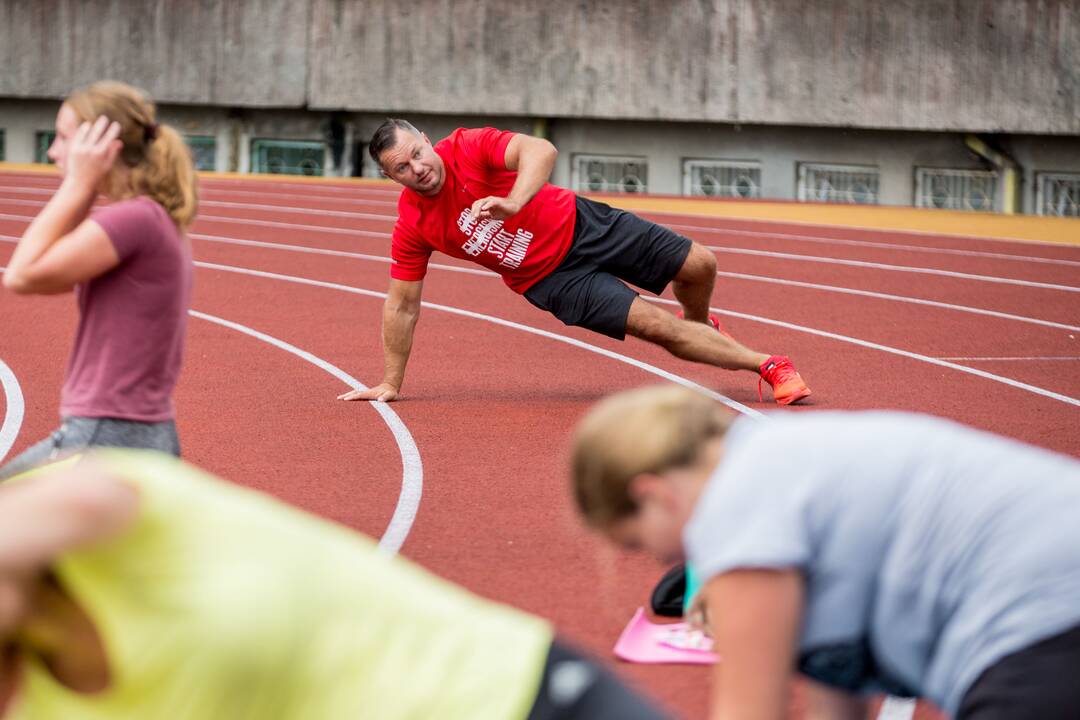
973	65
663	146
228	52
985	65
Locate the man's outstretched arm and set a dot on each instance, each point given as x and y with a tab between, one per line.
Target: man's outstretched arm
533	158
400	313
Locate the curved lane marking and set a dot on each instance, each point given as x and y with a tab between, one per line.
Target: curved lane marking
877	245
651	368
734	405
894	351
15	410
412	476
739	276
894	268
824	240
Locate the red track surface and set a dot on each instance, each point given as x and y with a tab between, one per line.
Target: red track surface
489	406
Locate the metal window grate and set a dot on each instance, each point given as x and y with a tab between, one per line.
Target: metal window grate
722	178
1057	194
43	139
955	189
203	151
838	183
610	173
288	157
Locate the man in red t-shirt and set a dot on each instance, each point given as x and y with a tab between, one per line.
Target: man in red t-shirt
482	195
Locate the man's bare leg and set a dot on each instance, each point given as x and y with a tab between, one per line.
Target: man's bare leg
693	285
689	340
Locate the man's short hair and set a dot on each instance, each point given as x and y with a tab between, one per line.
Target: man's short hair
385	137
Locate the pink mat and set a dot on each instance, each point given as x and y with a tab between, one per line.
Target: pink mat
647	642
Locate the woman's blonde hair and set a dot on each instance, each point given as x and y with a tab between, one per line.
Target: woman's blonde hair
158	158
645	431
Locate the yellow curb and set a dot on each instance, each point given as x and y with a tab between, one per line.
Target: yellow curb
993	226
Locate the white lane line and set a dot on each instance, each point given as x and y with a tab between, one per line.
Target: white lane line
13	415
223	186
412	477
894	268
338	253
738	276
298	211
900	298
872	244
259	223
866	228
204	190
737	406
893	351
674	226
655	370
1053	358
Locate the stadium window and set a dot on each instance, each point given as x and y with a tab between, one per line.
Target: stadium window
610	173
1057	194
203	151
288	157
856	184
955	189
42	140
722	178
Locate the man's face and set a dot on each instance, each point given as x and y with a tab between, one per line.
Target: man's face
413	162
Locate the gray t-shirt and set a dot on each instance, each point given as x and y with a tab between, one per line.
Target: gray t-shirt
930	550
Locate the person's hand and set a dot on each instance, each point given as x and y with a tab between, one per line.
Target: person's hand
92	153
383	392
494	208
698	615
15	592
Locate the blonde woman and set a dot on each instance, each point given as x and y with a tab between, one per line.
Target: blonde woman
137	586
880	552
128	262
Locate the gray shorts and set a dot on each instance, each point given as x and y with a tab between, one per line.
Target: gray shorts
79	433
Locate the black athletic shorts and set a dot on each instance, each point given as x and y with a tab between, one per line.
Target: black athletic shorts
575	688
609	246
1040	682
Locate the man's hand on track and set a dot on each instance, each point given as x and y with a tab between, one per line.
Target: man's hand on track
383	392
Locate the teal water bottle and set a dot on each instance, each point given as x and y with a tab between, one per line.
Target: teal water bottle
692	587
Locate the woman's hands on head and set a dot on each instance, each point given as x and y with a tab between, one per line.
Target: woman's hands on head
92	153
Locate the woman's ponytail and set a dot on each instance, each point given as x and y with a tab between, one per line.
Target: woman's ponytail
158	160
167	175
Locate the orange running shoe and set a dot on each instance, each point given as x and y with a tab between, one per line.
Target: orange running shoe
714	321
787	385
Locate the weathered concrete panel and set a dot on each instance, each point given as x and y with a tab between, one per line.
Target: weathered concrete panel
994	65
1009	65
633	58
984	65
197	51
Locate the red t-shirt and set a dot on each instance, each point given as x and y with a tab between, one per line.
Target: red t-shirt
523	249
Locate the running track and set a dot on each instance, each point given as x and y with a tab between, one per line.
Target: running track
983	331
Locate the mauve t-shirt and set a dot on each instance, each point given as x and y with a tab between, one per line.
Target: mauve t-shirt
132	320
